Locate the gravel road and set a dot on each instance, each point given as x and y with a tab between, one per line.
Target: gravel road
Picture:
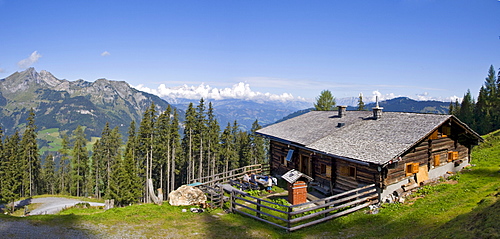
52	205
31	229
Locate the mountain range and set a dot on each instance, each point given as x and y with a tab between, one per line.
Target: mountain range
66	104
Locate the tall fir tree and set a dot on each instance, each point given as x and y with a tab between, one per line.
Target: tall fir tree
466	109
187	143
64	167
361	104
80	173
212	142
49	179
325	101
175	149
145	148
12	170
258	145
31	161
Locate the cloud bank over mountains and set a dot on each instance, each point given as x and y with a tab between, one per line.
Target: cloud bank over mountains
243	91
238	91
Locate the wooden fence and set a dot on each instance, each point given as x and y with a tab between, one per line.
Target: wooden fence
232	174
299	216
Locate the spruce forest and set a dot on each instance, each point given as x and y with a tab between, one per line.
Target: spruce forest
160	147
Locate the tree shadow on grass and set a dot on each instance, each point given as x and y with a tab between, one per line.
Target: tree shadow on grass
42	226
482	222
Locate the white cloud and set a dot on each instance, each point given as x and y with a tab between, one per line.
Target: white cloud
32	59
2	70
382	97
238	91
420	97
105	53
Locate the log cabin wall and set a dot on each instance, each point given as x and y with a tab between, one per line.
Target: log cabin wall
435	151
351	175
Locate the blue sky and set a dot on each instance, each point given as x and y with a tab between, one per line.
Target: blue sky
424	49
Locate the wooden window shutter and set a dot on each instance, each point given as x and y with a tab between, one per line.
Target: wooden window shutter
455	155
328	171
408	169
450	156
415	168
343	170
437	160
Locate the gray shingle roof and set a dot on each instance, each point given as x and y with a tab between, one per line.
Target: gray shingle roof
361	138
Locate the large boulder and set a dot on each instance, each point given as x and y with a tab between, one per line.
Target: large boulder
187	195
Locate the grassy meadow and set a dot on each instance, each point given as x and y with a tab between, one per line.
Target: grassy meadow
464	206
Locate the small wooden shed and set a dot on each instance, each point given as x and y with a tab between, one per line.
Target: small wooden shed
343	150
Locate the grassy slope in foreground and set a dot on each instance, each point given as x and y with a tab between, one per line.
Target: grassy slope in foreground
465	207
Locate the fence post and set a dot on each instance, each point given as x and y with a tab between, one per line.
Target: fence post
231	199
326	208
289	218
258	207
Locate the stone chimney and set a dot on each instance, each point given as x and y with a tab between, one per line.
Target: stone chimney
377	110
342	110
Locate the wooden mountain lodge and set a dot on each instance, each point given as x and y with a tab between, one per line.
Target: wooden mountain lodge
346	150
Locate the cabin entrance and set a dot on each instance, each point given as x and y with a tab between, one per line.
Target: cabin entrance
305	165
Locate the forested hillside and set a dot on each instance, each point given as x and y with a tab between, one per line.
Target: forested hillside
154	149
483	114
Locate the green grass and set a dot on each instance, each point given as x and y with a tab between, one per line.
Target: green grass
465	207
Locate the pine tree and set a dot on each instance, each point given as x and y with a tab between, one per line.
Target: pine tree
212	140
106	153
175	146
187	143
12	170
200	136
31	177
163	147
466	109
258	145
80	173
49	175
145	147
227	148
361	104
64	167
325	101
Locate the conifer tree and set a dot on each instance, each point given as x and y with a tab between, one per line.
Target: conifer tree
49	175
227	148
175	148
212	139
145	147
325	101
12	170
31	161
361	104
187	142
163	147
64	167
80	173
258	145
200	136
466	109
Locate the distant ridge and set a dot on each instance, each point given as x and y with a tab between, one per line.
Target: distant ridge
400	104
